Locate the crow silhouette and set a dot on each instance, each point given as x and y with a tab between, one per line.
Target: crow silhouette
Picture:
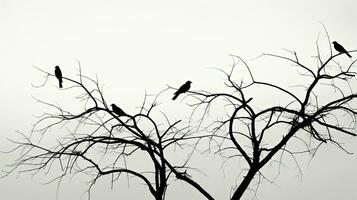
340	48
58	74
184	88
118	110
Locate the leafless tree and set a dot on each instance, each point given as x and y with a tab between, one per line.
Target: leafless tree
322	110
101	143
98	142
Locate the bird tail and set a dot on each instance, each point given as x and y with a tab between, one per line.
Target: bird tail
60	84
176	95
348	55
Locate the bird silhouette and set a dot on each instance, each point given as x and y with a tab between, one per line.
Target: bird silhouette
340	48
118	110
184	88
58	74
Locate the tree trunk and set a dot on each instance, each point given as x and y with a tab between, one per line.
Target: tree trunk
244	185
158	197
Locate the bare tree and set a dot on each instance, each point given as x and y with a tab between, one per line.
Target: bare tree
99	142
258	133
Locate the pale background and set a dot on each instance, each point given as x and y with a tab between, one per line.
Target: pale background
135	46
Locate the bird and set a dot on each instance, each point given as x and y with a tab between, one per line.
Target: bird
58	74
184	88
340	48
118	110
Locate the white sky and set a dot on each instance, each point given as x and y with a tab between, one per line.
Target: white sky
135	46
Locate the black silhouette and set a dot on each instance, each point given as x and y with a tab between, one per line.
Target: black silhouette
58	74
226	117
118	110
184	88
340	48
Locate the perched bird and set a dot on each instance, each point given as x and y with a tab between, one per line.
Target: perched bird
340	48
184	88
58	75
118	110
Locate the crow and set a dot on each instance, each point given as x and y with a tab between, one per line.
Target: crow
58	75
118	110
340	48
184	88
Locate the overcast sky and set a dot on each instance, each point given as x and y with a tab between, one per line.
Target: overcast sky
135	46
